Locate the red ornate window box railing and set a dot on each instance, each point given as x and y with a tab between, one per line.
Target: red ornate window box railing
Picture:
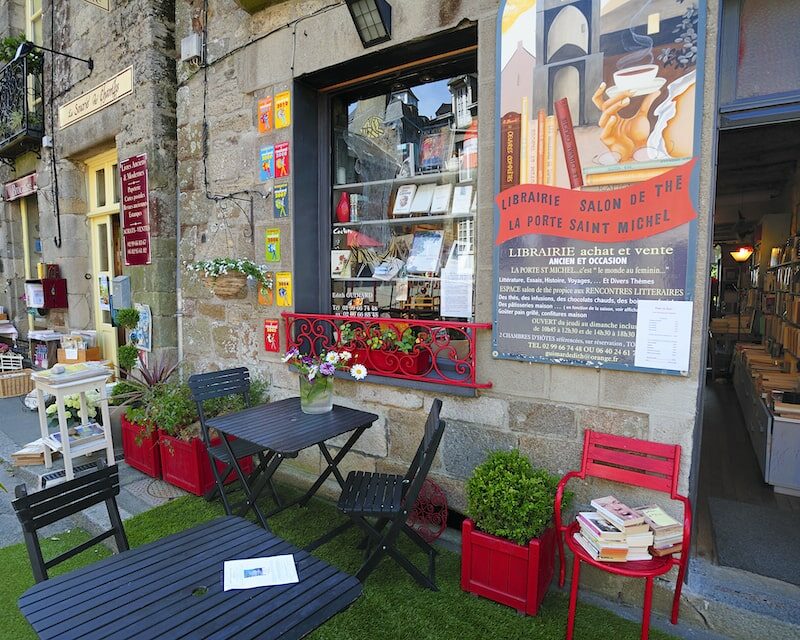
440	352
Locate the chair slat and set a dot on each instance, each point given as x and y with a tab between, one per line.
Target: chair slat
623	443
599	455
656	483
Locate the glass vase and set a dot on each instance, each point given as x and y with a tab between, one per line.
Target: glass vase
316	396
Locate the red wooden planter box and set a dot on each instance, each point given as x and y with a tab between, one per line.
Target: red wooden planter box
508	573
377	361
186	464
145	456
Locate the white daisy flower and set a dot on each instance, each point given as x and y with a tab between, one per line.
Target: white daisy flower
358	371
332	357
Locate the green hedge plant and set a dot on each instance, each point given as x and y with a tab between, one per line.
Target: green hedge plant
508	498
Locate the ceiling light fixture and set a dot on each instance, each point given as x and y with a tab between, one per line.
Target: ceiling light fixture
742	254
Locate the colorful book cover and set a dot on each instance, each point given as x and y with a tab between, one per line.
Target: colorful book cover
568	143
432	150
551	129
272	244
510	125
541	142
266	294
265	115
282	160
283	283
280	200
524	143
283	109
266	163
272	341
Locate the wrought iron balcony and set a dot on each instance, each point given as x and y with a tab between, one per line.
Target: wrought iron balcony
21	106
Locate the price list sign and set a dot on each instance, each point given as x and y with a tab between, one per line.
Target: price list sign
597	177
135	210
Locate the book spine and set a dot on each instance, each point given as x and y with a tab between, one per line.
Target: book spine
510	126
524	137
550	151
541	143
624	177
569	143
533	152
633	166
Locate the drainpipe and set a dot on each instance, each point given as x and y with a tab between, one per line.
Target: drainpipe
178	276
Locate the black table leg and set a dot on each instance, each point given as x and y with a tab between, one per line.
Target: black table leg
332	465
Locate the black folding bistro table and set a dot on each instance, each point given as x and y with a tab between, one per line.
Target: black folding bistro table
172	589
284	430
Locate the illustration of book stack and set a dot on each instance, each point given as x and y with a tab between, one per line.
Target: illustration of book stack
629	172
541	146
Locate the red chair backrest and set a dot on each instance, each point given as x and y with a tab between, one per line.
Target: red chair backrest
631	461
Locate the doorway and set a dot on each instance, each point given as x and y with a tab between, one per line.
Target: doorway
106	246
748	502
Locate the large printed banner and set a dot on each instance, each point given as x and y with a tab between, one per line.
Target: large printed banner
596	181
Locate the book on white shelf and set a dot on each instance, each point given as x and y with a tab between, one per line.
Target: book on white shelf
388	269
601	527
617	513
408	163
441	199
403	199
423	198
340	263
78	435
462	199
425	252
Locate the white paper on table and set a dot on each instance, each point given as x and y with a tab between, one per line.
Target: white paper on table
663	334
259	572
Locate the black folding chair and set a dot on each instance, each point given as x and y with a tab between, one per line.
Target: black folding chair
217	384
50	505
388	499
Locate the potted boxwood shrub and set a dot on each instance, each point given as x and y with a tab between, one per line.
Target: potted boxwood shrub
510	505
184	459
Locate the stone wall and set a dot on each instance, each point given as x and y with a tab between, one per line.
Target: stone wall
542	409
142	34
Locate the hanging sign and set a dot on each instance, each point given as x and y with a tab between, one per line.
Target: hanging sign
103	4
97	99
597	178
19	188
135	210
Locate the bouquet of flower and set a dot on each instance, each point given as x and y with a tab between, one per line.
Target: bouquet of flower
221	266
72	406
325	364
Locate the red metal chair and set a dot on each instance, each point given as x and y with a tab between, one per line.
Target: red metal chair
638	463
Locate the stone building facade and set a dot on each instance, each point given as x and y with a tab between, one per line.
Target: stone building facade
131	35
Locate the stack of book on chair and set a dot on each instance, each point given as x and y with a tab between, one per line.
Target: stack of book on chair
667	531
614	533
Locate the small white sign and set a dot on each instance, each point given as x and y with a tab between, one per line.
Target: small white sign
259	572
97	99
663	334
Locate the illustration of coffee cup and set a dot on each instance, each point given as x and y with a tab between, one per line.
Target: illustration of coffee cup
634	78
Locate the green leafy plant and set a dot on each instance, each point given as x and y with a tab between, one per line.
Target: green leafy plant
230	404
173	410
127	318
508	498
221	266
127	355
382	337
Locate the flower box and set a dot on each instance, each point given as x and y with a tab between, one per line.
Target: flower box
380	362
185	464
143	455
503	571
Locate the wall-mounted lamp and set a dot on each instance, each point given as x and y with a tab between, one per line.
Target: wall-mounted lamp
373	20
26	47
742	254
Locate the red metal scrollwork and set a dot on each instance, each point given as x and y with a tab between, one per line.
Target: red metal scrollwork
428	517
425	350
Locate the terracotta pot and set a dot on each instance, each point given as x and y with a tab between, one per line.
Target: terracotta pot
506	572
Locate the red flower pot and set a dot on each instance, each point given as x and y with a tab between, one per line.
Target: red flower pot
508	573
143	456
186	465
377	361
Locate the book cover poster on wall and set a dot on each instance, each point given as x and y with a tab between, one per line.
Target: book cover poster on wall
597	175
265	115
266	292
283	283
280	200
272	341
104	292
266	163
283	109
272	245
282	160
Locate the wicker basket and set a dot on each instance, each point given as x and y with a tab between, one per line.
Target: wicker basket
229	285
17	383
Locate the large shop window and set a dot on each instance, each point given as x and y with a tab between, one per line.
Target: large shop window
403	205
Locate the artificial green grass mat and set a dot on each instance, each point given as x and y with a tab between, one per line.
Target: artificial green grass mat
392	607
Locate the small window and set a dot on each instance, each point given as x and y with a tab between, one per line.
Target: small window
100	186
115	182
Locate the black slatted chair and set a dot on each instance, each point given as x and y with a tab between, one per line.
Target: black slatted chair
387	499
50	505
217	384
